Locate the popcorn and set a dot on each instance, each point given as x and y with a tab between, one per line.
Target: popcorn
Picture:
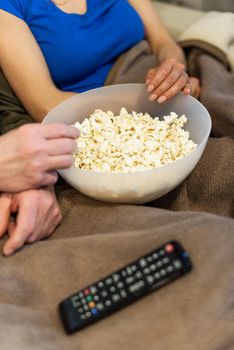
130	142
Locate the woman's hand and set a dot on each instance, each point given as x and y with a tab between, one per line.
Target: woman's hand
31	153
38	214
166	80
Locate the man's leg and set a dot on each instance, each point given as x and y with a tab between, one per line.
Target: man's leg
12	112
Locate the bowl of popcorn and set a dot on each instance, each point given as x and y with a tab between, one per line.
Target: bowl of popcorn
131	150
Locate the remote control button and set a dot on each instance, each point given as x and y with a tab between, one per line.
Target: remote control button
129	270
89	298
100	284
169	248
143	262
75	298
96	297
80	310
166	260
75	302
83	301
177	264
159	263
85	307
155	255
129	280
146	271
108	303
134	268
132	288
115	297
136	286
83	317
157	275
93	290
94	311
109	281
123	293
139	274
81	294
92	304
115	277
120	285
86	292
88	314
163	272
149	259
104	293
150	279
153	267
100	306
123	273
112	289
162	252
170	268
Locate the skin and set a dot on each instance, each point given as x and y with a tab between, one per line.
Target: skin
170	77
32	152
33	222
40	95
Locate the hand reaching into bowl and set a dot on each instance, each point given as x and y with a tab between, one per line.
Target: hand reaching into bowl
169	78
31	153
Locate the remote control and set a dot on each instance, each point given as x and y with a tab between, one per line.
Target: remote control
117	290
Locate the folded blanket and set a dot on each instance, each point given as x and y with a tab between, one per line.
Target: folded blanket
214	33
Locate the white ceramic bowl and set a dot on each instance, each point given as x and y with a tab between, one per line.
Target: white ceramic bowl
141	186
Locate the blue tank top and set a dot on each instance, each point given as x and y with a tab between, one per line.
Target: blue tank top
80	49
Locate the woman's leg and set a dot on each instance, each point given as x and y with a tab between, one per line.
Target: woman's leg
12	112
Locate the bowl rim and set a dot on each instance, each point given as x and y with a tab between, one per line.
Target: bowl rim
128	85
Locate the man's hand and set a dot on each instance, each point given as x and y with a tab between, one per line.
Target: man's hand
166	80
31	153
38	214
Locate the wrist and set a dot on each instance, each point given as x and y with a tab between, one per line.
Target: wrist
170	50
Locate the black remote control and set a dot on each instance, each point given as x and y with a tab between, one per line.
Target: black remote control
113	292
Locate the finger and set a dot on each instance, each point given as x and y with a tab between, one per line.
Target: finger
174	89
187	89
195	87
61	146
25	226
163	71
150	74
60	162
5	211
170	80
57	130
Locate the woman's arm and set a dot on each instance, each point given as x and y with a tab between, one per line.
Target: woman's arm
162	44
169	77
25	68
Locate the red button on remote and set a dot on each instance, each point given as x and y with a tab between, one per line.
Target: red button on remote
86	292
169	248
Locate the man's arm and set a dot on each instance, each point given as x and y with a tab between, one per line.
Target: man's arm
25	68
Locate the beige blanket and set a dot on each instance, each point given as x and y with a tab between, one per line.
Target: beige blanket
193	313
213	32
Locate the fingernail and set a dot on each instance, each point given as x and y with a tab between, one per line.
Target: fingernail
152	97
147	81
161	99
150	88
